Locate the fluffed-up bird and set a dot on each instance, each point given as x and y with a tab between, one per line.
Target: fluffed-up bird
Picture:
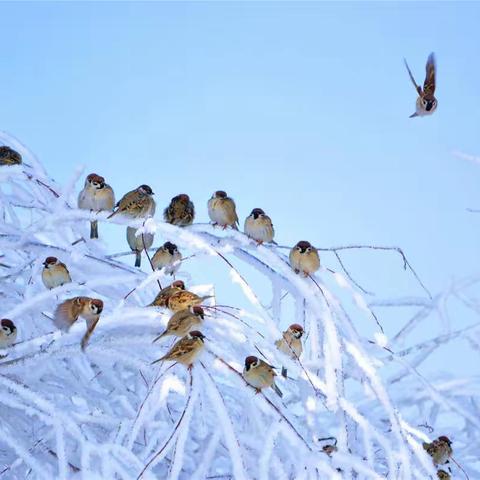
168	257
426	101
68	312
54	273
8	333
162	296
440	450
304	258
8	156
222	210
186	350
260	374
138	203
97	196
138	243
180	211
259	226
184	299
182	322
291	342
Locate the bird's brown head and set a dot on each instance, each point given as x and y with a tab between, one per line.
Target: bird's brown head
96	305
220	194
198	311
145	189
250	362
296	329
49	261
303	246
170	247
178	284
445	439
95	180
10	155
8	326
257	212
197	334
182	197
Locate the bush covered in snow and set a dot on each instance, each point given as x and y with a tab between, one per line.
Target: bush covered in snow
108	413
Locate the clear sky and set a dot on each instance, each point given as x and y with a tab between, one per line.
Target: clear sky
298	108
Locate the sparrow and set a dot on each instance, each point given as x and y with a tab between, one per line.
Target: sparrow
8	156
304	258
182	322
440	450
137	203
54	273
426	101
186	350
222	210
168	257
180	212
260	374
161	298
184	299
329	449
443	475
8	333
68	312
291	344
136	243
259	226
96	195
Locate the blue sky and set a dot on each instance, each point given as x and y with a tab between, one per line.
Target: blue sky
300	109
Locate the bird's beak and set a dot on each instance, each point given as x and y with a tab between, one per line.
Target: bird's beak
413	115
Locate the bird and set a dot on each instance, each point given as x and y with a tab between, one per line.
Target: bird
329	449
182	322
68	312
186	350
138	243
136	204
184	299
426	101
304	258
259	226
443	475
291	344
96	195
260	374
168	257
8	156
222	210
161	298
55	273
8	333
180	211
440	450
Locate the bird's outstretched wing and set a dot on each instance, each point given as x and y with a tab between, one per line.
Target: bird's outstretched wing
429	84
417	87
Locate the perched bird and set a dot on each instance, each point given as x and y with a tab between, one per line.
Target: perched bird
329	449
222	210
182	322
180	212
259	226
8	156
161	298
291	344
168	257
54	273
426	101
304	258
260	374
68	312
443	475
440	450
137	203
8	333
136	243
184	299
186	350
96	195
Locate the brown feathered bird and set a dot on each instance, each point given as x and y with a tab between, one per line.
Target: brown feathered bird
222	210
8	333
55	273
161	298
440	450
260	374
136	204
184	299
8	156
168	257
182	322
186	350
180	212
304	258
68	312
